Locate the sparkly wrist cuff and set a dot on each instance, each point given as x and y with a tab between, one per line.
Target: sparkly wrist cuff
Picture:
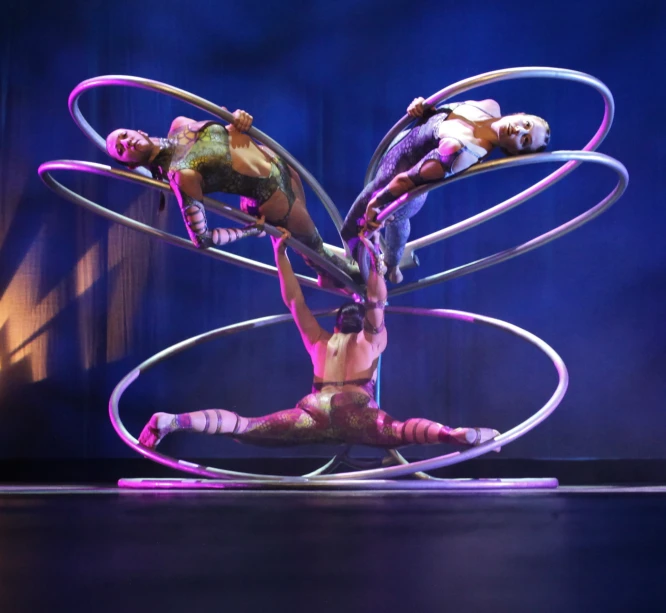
251	230
377	259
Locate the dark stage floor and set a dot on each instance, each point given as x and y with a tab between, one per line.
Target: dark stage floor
104	549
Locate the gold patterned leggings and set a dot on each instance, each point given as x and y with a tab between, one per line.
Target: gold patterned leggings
343	417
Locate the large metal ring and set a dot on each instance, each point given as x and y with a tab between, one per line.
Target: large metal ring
393	471
546	237
47	168
200	103
508	74
573	159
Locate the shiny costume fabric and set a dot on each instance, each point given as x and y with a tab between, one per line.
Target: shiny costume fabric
205	149
410	149
345	417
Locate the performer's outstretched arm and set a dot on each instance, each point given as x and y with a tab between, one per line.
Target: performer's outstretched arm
374	328
434	166
310	330
186	185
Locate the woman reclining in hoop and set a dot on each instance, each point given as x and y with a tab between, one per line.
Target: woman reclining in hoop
443	142
200	157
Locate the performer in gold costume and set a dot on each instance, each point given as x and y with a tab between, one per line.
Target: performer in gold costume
342	406
200	157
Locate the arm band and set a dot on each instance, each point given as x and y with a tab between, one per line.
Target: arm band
446	161
370	329
191	207
384	197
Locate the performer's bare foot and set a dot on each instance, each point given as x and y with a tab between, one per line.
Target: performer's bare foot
159	425
395	275
473	437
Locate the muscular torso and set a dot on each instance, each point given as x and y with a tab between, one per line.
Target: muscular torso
340	358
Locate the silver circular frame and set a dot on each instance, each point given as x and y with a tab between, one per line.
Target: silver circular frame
45	172
497	76
542	239
344	480
573	159
390	472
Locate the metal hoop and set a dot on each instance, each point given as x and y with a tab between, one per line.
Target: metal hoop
508	74
47	168
200	103
546	237
349	484
393	471
573	161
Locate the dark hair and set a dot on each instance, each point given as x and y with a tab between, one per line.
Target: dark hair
356	307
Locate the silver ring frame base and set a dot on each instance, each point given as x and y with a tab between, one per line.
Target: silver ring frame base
391	472
367	485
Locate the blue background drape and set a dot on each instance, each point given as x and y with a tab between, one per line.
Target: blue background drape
83	301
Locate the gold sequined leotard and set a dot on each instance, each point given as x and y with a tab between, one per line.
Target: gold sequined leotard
204	147
207	151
